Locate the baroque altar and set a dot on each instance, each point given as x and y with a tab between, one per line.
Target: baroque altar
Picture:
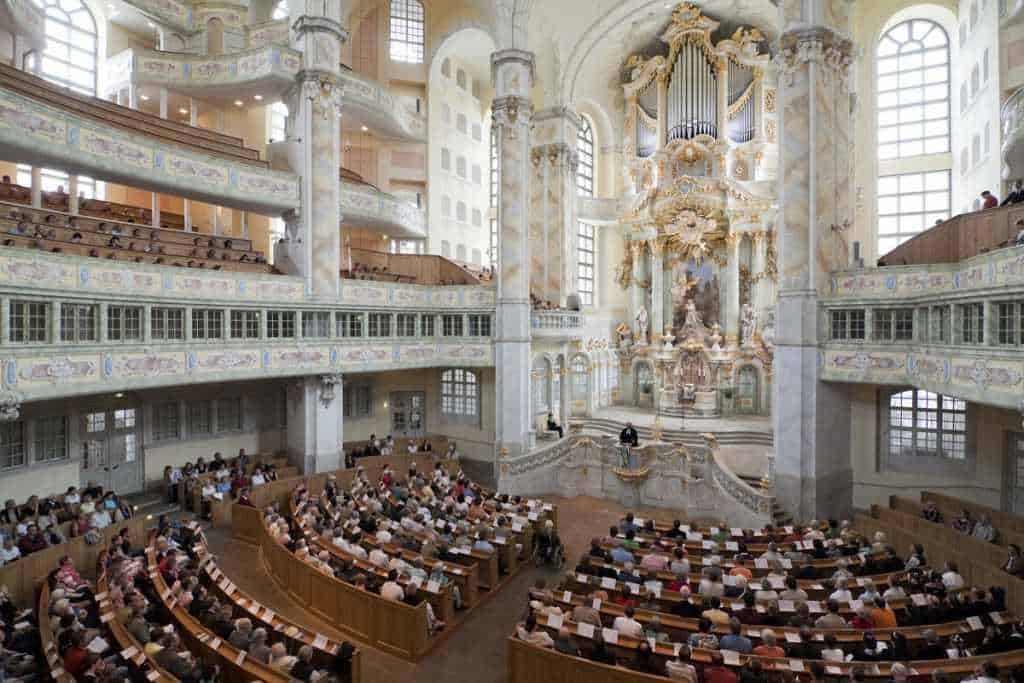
699	264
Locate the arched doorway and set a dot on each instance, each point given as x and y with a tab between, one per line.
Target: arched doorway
748	391
214	37
580	386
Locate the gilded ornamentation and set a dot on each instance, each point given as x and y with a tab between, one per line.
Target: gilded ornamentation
769	130
819	45
769	101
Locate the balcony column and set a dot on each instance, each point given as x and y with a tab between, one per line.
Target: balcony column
37	187
315	430
657	290
512	73
163	103
155	210
73	195
314	113
564	390
813	474
757	268
731	285
637	297
553	204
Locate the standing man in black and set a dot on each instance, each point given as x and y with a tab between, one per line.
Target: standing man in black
628	438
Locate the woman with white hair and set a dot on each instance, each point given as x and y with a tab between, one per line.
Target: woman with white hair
242	635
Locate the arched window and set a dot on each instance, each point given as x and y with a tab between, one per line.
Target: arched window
585	148
580	378
407	31
913	76
913	90
460	395
923	423
280	10
71	46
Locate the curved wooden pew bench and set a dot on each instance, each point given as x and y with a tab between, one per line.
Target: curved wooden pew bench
529	663
127	645
394	627
293	633
235	665
49	643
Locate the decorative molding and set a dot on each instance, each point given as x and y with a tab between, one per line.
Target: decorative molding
817	45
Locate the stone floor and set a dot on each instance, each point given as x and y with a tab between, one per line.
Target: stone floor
476	647
644	417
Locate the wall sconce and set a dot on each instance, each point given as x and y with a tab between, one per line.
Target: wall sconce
842	227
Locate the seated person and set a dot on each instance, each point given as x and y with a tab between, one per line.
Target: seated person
554	426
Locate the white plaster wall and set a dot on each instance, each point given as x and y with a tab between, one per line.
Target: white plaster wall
446	95
873	484
20	484
982	107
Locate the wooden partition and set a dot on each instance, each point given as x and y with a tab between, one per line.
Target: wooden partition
959	238
393	627
978	562
424	269
1004	522
49	643
531	664
23	576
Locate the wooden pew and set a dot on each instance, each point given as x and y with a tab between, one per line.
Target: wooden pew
394	627
53	660
126	643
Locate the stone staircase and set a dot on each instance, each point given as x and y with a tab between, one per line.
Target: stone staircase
693	438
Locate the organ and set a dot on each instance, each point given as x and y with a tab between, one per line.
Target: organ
700	90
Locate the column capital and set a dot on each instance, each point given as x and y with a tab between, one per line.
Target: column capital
733	239
818	45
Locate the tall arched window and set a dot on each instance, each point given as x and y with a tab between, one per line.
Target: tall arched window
278	120
913	90
460	395
71	45
585	148
913	76
493	251
407	31
280	10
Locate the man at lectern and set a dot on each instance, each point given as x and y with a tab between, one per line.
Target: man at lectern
628	436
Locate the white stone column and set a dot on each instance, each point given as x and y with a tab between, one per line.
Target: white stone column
813	474
37	187
73	195
163	103
315	424
731	285
512	72
657	291
564	390
155	210
757	273
636	292
314	107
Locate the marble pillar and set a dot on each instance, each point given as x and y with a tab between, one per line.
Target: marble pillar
731	290
315	426
512	72
812	418
36	191
658	293
73	204
553	204
637	294
758	262
314	244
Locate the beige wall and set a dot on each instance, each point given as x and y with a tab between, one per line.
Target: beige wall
475	441
177	454
20	484
873	484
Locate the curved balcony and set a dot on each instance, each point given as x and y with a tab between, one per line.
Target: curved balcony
556	325
364	206
373	104
267	70
1012	121
267	33
25	19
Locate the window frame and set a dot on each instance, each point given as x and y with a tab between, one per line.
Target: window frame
842	324
171	321
406	32
75	330
208	324
460	395
586	258
940	421
244	324
29	313
120	324
585	155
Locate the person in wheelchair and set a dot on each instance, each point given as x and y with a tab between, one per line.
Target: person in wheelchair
548	546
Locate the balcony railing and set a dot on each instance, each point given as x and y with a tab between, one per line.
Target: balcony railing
557	324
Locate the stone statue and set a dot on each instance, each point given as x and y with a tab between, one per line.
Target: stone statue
715	337
641	325
768	333
693	325
625	336
748	321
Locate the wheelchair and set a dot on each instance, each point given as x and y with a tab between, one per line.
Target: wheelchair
548	550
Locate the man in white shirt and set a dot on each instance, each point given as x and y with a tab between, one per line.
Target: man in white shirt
841	593
626	625
101	519
384	536
9	552
391	590
379	558
986	672
894	593
951	578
